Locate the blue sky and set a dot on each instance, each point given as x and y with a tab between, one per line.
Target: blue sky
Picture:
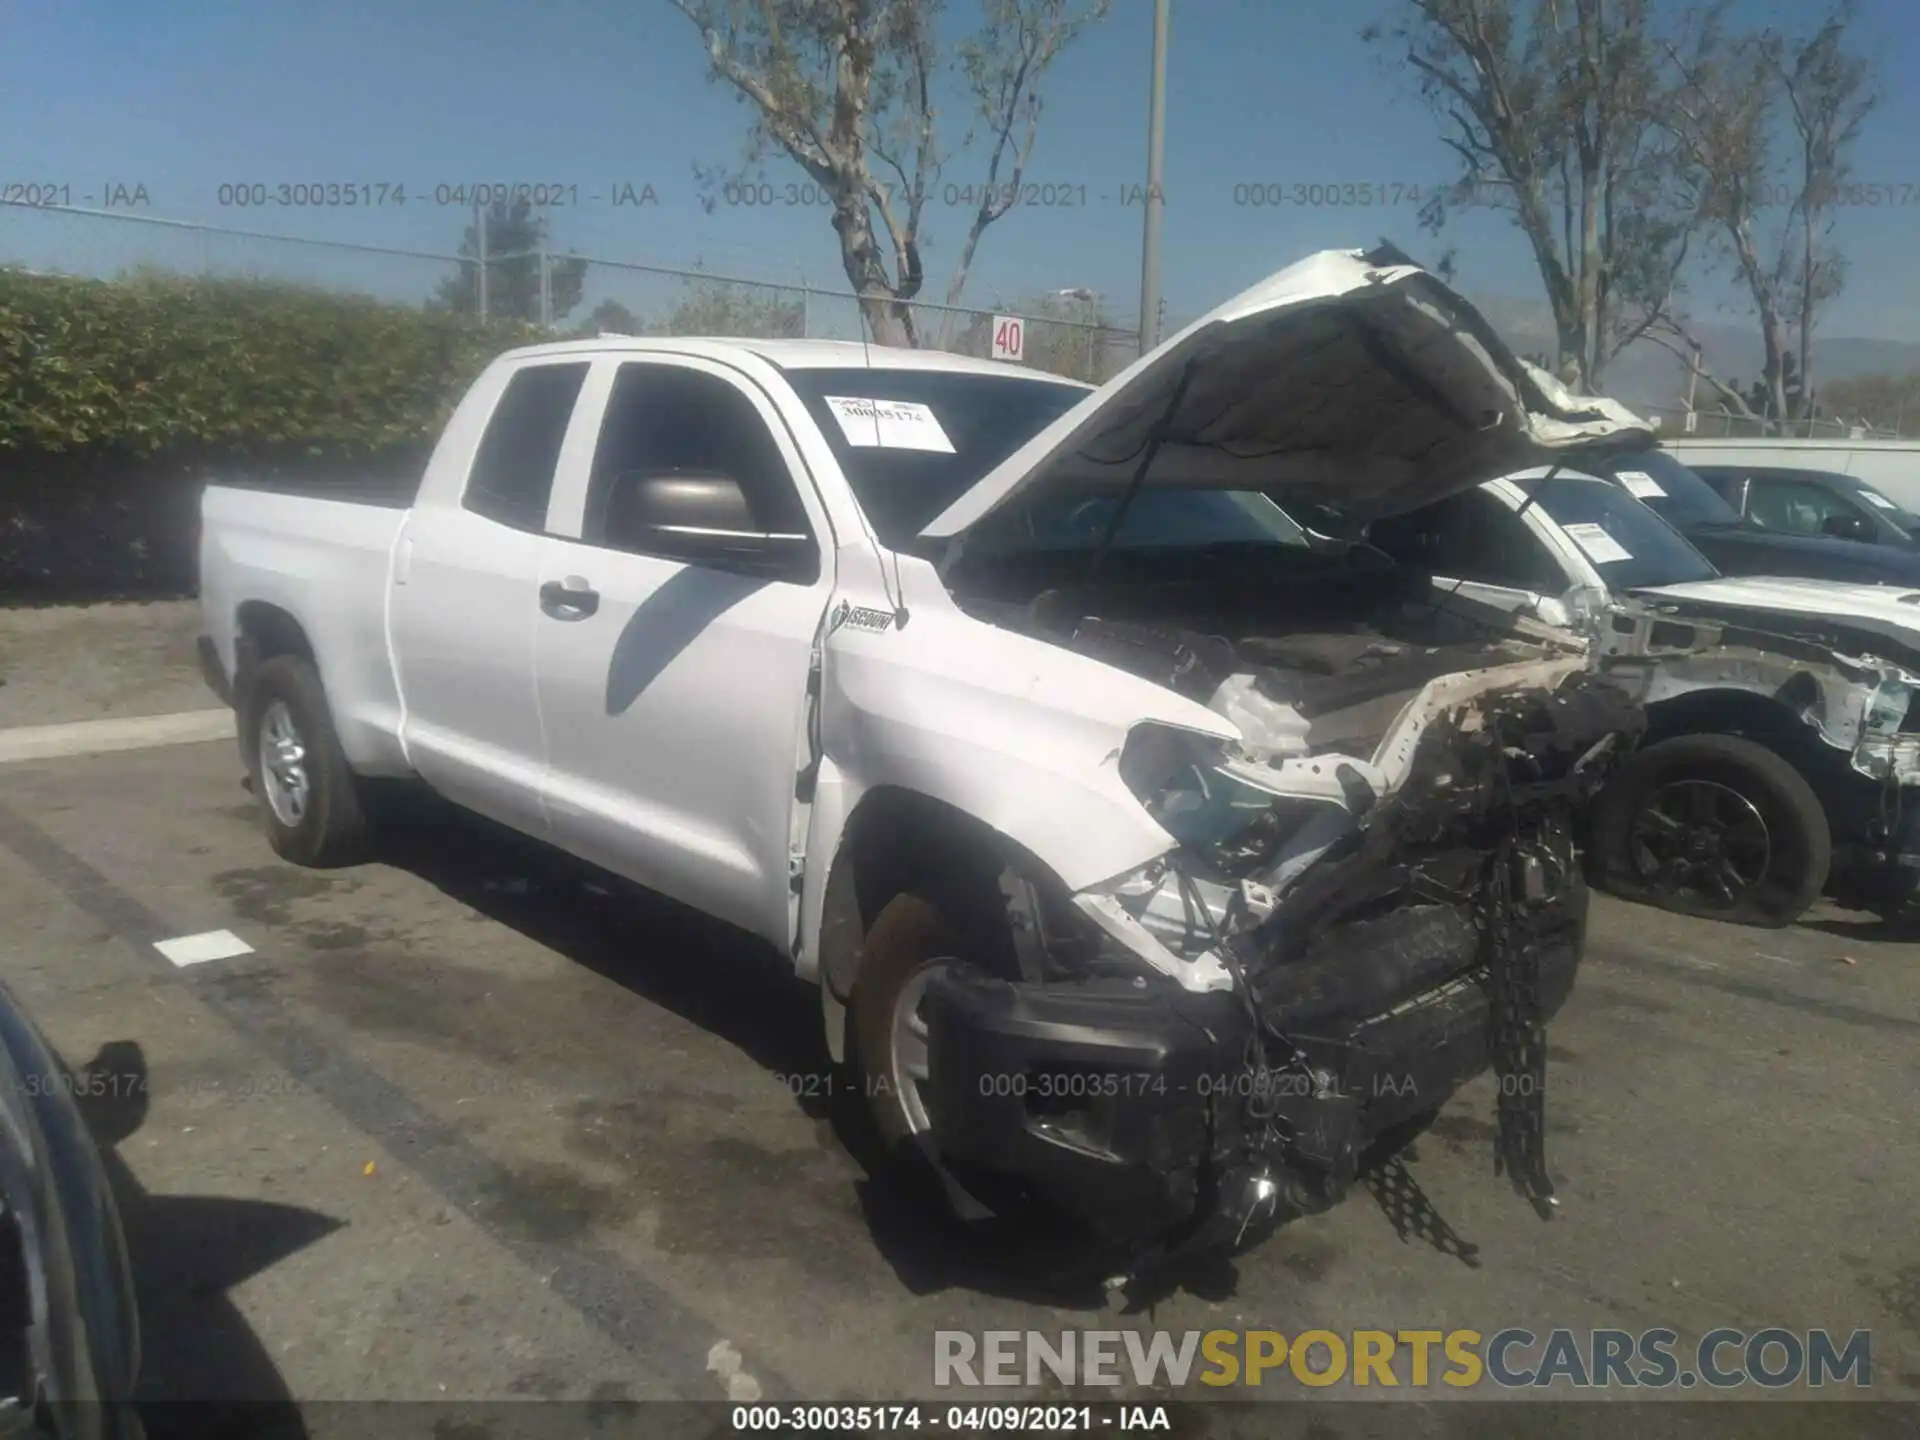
592	93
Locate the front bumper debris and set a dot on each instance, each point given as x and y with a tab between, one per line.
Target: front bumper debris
1132	1104
1876	843
1429	945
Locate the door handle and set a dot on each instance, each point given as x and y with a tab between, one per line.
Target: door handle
569	599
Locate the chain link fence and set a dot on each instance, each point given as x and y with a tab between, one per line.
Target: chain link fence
568	293
1723	424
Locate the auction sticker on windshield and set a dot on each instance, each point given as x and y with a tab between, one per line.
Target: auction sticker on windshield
1640	485
1601	547
889	424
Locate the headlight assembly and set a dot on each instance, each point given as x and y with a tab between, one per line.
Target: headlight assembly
1887	710
1176	775
1232	827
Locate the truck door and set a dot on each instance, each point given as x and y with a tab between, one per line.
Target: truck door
674	694
464	593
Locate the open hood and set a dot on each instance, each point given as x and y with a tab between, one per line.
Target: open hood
1352	379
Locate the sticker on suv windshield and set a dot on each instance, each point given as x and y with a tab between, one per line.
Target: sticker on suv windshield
1601	547
1874	497
889	424
1640	485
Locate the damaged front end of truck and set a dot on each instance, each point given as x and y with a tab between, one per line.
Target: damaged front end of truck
1213	1043
1369	891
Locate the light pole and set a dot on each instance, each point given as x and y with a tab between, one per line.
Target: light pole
480	229
1090	299
1156	164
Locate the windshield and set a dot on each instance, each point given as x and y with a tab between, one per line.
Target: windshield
1624	540
941	431
1669	488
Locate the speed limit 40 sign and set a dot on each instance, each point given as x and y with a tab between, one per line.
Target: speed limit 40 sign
1009	337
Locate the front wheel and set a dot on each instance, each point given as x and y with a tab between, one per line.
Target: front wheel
912	941
309	796
1713	825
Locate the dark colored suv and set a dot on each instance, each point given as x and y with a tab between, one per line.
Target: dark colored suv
1824	503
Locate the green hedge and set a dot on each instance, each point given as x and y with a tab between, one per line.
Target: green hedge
119	398
159	364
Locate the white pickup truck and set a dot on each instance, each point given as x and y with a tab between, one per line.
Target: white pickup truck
1148	853
1782	752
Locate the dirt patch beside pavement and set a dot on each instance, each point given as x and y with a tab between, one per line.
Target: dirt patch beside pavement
98	662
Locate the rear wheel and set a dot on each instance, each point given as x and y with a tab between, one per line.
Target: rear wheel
1713	825
309	796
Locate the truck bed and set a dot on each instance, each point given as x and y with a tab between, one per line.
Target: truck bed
326	561
394	491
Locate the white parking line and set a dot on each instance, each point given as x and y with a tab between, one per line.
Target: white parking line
95	737
185	950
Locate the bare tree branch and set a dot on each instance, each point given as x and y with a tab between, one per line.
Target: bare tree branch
1725	121
849	90
1551	104
1692	356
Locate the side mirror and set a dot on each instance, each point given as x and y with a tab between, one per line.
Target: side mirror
1572	611
1550	611
700	518
1846	527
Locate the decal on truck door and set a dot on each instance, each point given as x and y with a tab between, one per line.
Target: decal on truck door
859	617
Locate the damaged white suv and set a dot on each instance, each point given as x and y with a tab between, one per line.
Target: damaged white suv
1782	752
1152	857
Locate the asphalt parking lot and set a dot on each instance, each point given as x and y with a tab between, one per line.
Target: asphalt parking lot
472	1124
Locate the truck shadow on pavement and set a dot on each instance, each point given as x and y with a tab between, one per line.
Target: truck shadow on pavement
1903	928
746	994
204	1373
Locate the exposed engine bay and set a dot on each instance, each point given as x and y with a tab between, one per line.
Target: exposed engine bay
1374	897
1317	658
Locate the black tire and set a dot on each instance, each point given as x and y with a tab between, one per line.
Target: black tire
1781	878
331	827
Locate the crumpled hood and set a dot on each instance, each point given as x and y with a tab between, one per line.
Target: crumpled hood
1352	379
